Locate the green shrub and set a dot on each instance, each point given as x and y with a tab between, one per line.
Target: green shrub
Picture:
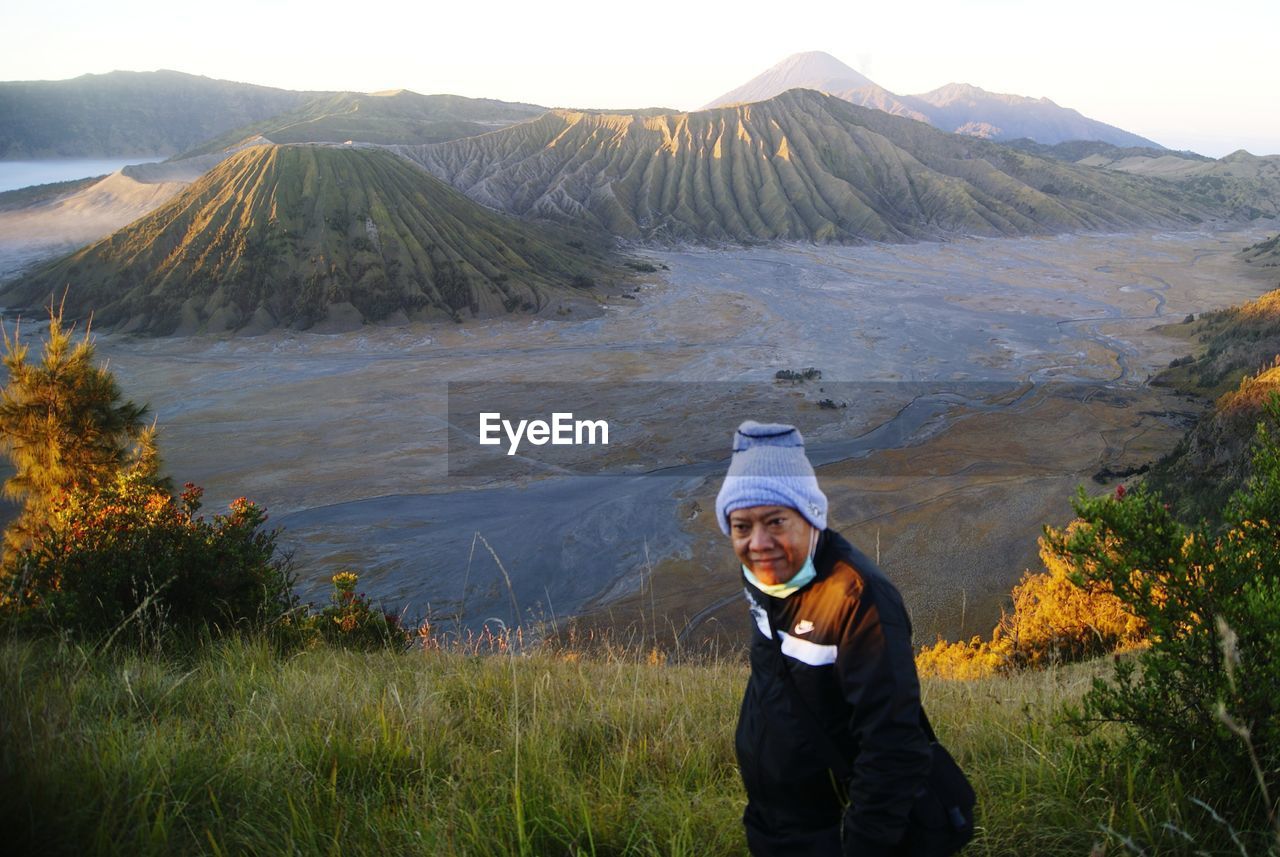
1201	701
130	558
809	373
63	424
352	622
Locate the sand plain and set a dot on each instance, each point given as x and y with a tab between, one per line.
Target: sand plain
975	384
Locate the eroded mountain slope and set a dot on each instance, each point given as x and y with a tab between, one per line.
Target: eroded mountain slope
803	166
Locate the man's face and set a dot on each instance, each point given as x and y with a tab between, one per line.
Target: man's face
772	541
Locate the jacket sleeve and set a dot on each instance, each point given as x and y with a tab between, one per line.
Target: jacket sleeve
876	666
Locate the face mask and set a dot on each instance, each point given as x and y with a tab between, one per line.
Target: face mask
801	578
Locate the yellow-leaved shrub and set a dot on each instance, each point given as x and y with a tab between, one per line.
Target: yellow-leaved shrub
1053	619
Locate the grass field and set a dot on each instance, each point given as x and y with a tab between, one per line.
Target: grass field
234	749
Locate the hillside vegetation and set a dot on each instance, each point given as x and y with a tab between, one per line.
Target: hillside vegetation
301	235
128	113
1232	361
801	166
1265	253
383	117
1213	460
1227	345
1241	185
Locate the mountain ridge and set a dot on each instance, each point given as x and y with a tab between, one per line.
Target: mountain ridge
391	116
126	113
174	114
801	166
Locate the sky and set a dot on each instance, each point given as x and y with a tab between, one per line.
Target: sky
1200	76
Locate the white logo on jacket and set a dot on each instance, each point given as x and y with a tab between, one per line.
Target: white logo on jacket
813	654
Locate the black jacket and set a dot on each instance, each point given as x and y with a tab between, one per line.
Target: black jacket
846	642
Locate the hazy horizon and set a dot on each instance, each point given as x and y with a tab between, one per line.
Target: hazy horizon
1177	77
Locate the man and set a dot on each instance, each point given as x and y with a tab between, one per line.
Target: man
831	713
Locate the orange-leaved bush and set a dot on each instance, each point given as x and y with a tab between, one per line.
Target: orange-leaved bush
1055	618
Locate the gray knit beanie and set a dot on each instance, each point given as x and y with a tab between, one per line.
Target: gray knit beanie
769	468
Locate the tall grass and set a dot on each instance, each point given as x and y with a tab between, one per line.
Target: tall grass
239	751
234	749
